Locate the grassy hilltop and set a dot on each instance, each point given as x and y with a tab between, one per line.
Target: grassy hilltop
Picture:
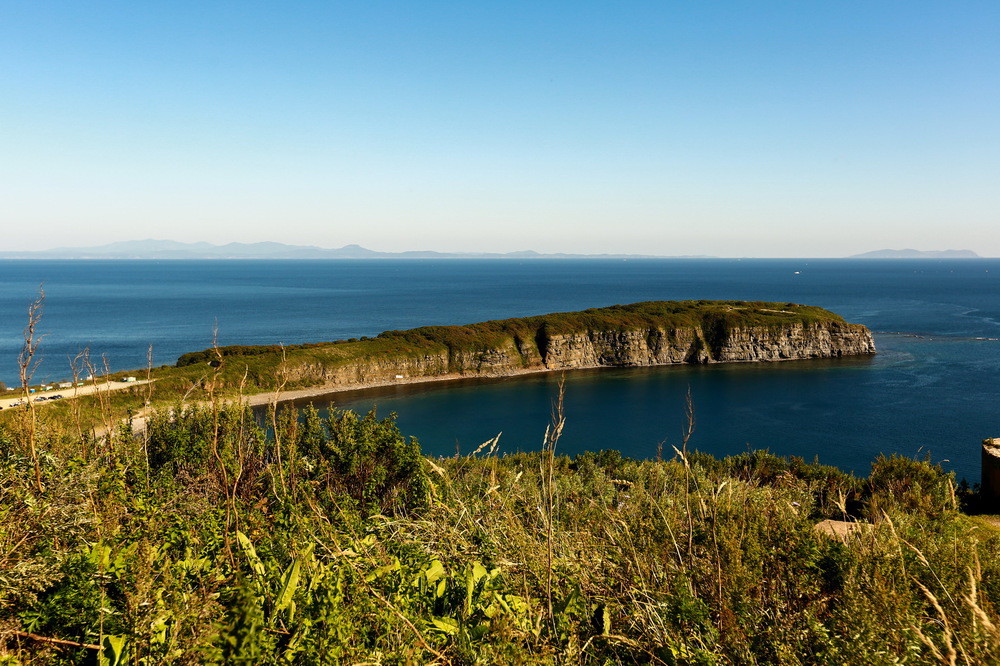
301	365
713	316
217	536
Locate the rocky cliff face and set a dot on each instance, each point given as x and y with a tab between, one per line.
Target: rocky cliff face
692	345
799	341
603	348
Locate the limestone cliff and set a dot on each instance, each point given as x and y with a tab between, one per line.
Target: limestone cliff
737	345
642	334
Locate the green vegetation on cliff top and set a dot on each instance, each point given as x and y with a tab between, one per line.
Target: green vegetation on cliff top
665	315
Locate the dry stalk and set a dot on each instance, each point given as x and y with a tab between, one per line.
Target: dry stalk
103	396
220	463
75	365
241	453
273	411
147	406
950	655
490	443
553	432
325	541
54	641
27	364
923	560
972	599
670	529
683	453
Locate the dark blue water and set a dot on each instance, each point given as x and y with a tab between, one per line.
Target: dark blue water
932	387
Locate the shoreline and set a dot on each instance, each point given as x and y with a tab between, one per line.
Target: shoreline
282	397
285	397
268	397
265	398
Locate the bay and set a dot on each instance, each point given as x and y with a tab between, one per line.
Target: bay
932	387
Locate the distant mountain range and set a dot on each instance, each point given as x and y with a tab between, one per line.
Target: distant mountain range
917	254
164	249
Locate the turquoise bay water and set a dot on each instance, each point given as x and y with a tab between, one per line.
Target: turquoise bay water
932	387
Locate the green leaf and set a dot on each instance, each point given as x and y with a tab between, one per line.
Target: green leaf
289	582
100	555
251	553
113	650
478	572
445	624
383	570
434	571
571	603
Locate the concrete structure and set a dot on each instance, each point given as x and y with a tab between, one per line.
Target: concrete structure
990	489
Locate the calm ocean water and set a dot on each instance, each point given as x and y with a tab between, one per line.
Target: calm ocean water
932	388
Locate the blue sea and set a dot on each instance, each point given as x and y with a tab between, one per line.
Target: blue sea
931	390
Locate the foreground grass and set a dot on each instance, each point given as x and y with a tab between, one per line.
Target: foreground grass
214	538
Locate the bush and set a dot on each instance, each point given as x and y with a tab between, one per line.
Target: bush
917	487
367	460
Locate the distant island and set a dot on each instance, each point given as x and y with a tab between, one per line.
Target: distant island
917	254
166	249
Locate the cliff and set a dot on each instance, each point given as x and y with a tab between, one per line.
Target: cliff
641	334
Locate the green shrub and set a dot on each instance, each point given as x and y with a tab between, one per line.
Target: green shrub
914	487
365	459
74	608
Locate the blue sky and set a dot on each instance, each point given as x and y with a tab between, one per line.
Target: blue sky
722	128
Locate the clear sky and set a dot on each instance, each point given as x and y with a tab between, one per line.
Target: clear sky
738	128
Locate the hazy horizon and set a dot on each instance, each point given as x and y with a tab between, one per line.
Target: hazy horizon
150	246
732	130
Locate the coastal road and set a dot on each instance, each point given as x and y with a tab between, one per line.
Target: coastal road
9	399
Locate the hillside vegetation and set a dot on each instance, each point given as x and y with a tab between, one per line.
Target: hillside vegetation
215	537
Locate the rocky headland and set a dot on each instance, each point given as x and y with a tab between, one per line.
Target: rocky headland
642	334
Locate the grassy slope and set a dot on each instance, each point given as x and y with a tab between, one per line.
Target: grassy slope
209	541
